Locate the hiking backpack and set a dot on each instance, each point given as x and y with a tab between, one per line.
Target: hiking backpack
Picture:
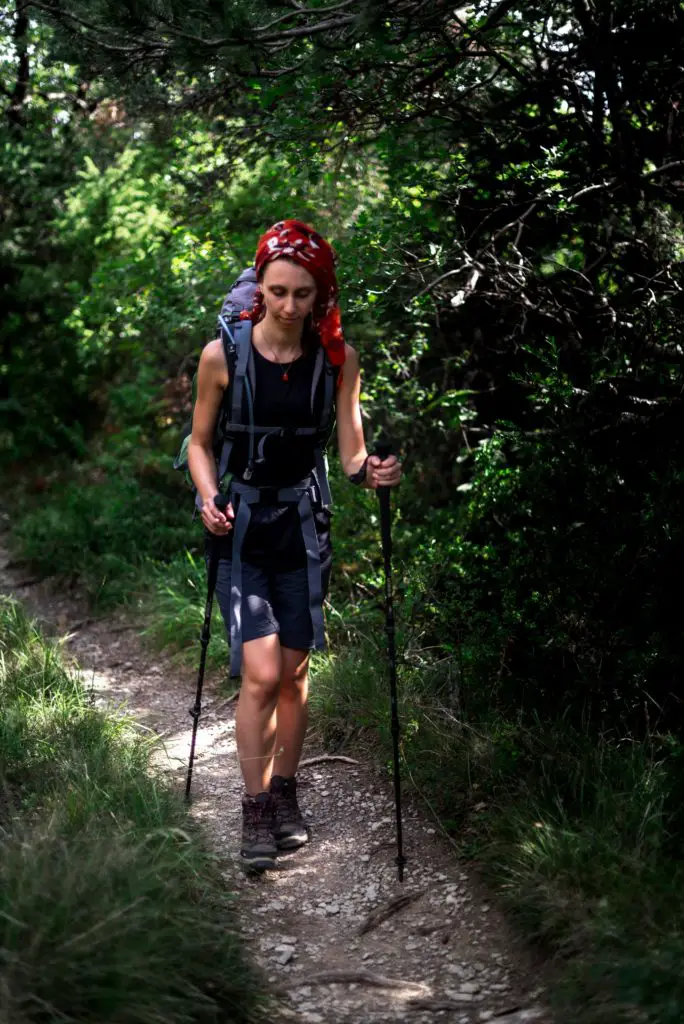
236	337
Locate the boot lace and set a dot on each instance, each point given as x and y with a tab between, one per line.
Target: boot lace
257	822
287	810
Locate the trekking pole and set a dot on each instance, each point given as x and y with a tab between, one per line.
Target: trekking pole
221	501
383	448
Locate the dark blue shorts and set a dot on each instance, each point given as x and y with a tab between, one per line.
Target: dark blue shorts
272	602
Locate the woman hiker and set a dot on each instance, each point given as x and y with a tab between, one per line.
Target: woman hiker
295	312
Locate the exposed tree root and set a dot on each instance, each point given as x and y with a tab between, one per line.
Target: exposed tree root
387	910
355	977
437	1005
324	758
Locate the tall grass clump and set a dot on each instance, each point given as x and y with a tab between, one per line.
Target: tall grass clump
103	529
173	610
110	908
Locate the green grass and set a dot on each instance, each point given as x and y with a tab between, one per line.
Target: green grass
111	910
107	533
173	611
579	835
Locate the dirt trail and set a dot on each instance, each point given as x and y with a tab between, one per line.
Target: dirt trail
447	955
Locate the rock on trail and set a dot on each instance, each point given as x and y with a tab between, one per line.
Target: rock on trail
329	929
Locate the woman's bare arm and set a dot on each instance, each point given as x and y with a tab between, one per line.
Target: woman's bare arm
350	437
212	380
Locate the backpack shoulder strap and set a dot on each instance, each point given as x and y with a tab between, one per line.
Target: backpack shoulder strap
242	337
329	379
236	337
229	347
318	370
323	368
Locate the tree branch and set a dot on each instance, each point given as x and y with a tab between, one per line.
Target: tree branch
665	167
499	57
308	30
615	181
299	11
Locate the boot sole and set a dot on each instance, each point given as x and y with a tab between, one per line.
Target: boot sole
292	842
259	864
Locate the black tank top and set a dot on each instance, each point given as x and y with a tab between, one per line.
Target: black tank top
279	403
274	537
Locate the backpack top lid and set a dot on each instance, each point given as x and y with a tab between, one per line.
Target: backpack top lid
240	297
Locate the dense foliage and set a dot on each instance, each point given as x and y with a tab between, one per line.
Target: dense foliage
504	186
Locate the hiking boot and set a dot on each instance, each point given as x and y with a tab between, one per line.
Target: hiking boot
289	827
258	844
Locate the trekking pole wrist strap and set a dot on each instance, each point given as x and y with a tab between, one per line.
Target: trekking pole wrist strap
360	476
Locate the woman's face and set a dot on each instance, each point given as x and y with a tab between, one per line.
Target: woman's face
289	292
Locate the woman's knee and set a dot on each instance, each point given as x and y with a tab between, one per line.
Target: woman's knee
294	676
261	670
262	689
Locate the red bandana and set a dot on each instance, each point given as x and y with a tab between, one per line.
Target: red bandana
306	247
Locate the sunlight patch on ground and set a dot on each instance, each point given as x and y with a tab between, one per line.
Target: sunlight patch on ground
175	748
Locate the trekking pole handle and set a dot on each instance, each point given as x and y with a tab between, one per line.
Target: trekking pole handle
221	501
383	448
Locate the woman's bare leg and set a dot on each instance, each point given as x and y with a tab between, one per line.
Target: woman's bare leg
255	719
292	711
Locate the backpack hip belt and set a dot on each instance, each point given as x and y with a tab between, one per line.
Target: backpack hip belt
304	496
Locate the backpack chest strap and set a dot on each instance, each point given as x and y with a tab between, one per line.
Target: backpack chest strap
258	457
247	428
